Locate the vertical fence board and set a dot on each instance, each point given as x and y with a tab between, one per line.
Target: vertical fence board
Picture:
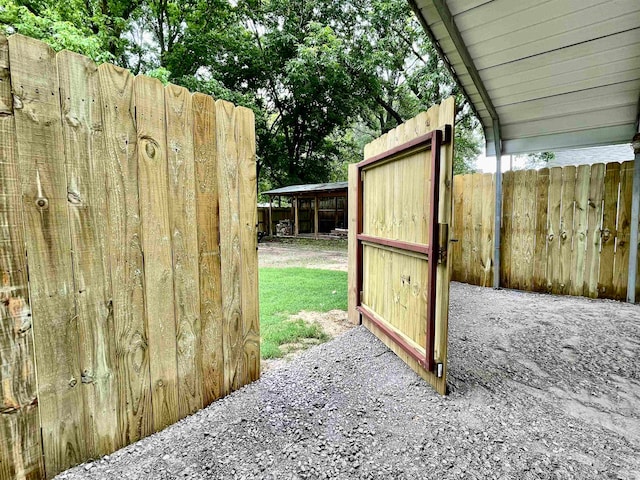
206	169
445	116
553	234
594	219
41	159
125	253
230	245
20	446
505	242
516	232
541	227
609	216
467	230
621	263
184	242
580	229
456	248
475	268
529	229
566	227
488	214
86	190
353	293
247	173
156	244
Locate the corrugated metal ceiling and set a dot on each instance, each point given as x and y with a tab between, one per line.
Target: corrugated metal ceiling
558	73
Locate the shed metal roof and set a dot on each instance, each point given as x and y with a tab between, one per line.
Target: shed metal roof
552	74
310	188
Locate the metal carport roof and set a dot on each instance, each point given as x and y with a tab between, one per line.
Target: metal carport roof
308	188
549	74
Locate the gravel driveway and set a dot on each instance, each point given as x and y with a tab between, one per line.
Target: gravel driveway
541	387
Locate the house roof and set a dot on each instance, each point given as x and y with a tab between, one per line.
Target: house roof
310	188
548	75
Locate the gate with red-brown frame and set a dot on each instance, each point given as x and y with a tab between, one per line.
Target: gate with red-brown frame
400	214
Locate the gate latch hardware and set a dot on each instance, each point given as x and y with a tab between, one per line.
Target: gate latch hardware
443	241
442	255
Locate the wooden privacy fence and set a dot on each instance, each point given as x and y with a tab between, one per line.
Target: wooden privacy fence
132	207
565	230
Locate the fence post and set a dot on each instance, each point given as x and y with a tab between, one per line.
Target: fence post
270	229
498	206
635	208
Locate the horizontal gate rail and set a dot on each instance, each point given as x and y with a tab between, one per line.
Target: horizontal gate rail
391	333
422	142
411	247
433	141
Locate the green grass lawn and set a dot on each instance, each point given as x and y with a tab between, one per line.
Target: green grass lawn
287	291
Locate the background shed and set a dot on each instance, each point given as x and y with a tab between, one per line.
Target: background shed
316	209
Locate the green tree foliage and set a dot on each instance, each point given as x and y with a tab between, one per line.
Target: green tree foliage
324	77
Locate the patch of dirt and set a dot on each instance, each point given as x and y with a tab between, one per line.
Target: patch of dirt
275	254
333	323
541	387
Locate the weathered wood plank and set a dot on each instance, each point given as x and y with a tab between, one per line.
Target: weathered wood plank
580	237
40	151
248	201
488	214
516	232
467	229
621	261
594	219
445	116
206	170
475	269
529	229
86	190
156	245
609	233
505	242
125	253
233	341
354	316
540	281
553	232
566	228
457	228
184	242
20	445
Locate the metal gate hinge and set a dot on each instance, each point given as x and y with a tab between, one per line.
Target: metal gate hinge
442	255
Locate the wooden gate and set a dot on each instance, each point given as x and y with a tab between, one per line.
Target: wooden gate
399	242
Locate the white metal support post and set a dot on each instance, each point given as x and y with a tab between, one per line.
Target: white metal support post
498	207
635	211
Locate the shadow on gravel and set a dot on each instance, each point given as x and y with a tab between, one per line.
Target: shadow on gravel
541	387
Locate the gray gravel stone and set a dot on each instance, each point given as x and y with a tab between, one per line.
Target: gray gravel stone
540	387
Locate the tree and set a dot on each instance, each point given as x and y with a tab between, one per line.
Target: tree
323	77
